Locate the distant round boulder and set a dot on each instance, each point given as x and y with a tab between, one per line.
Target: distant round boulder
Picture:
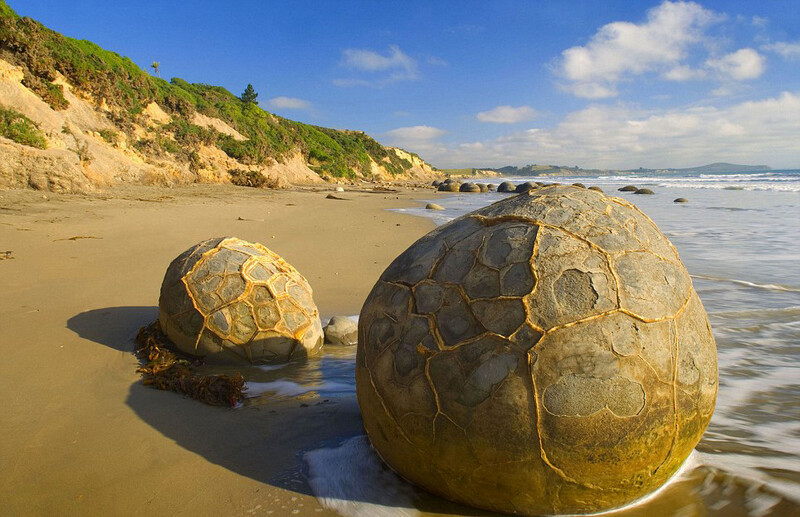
526	187
435	183
681	200
342	331
506	187
580	185
483	187
646	191
628	188
449	186
491	186
229	300
546	354
469	187
596	188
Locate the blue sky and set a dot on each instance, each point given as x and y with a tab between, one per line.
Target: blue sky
608	84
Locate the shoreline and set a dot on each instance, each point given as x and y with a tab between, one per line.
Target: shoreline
82	434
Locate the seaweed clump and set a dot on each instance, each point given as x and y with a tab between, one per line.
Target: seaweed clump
165	369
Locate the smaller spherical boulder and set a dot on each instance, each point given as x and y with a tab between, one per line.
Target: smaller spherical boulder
645	191
506	187
681	200
469	187
596	188
449	186
579	185
434	206
628	188
342	331
526	187
229	300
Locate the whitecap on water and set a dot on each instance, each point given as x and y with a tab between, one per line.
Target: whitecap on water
351	480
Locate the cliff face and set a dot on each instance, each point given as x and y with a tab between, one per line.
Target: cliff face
105	121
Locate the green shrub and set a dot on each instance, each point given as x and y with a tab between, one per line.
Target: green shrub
22	130
109	135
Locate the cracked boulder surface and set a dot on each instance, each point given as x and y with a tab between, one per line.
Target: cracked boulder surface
229	300
546	354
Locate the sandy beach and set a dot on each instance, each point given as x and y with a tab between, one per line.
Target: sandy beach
81	434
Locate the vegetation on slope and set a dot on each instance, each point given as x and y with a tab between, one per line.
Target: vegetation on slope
19	128
108	77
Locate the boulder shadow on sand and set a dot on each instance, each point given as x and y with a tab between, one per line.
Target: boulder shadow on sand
114	327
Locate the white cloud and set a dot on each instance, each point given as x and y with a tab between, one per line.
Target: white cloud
415	133
684	73
786	49
622	49
392	67
419	139
762	131
289	103
507	114
741	65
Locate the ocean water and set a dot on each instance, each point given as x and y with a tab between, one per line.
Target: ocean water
739	237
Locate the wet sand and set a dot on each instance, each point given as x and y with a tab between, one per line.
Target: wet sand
81	435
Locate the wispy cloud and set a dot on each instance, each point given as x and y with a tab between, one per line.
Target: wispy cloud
421	139
785	49
289	103
762	131
380	69
507	114
415	133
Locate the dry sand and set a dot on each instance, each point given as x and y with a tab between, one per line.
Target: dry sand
80	434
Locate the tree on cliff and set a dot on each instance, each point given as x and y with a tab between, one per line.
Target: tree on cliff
249	95
155	66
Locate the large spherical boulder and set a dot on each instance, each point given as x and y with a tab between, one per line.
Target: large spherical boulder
546	354
230	300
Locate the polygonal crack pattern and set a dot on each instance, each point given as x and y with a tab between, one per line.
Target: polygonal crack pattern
239	299
522	339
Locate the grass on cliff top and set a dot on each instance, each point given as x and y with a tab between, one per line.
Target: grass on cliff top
43	54
19	128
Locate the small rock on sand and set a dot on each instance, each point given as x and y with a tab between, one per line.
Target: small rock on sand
434	206
681	200
341	330
339	189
